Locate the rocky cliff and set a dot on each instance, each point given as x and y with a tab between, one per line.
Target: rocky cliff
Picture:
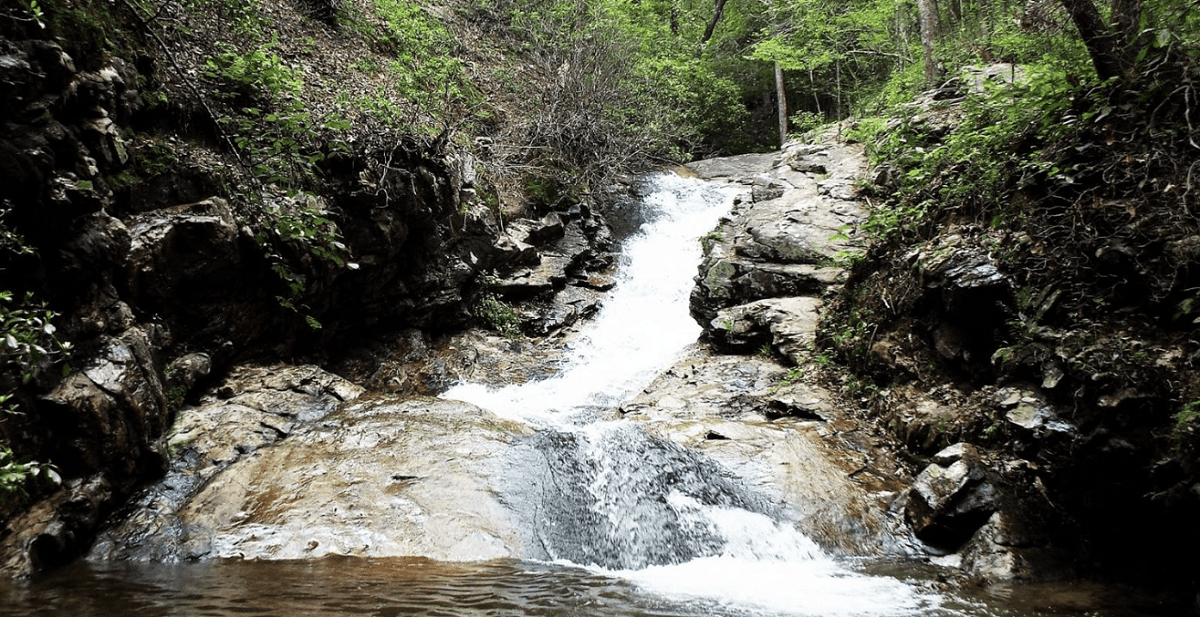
1039	403
164	257
977	472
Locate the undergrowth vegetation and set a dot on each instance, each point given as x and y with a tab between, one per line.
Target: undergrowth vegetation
1035	225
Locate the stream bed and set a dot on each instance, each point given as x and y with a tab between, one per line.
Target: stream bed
617	522
390	587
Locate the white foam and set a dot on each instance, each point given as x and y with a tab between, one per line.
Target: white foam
800	587
764	565
643	324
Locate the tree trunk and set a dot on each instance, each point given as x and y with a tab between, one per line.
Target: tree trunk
718	11
782	98
928	13
1109	55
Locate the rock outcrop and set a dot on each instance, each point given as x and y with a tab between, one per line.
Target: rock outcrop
767	265
788	440
167	269
762	287
758	292
282	462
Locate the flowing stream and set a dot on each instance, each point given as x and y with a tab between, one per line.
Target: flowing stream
643	325
652	513
639	526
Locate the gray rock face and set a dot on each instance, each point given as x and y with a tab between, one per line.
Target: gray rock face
160	285
758	289
281	462
557	266
179	256
112	411
778	250
789	442
296	464
786	325
951	498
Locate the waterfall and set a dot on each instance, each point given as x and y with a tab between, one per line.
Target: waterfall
643	324
625	504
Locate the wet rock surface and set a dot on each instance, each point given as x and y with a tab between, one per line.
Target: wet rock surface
293	463
951	498
788	441
616	497
167	273
761	288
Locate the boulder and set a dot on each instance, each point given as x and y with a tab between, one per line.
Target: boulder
372	479
110	413
1031	413
785	241
58	529
951	498
183	255
788	325
766	190
788	440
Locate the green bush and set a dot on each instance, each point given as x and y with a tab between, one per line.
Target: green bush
424	70
498	315
15	477
27	336
257	77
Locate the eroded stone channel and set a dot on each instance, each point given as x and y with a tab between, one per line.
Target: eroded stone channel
709	481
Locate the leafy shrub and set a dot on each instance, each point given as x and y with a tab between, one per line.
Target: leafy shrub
14	476
805	121
27	336
256	77
424	70
497	314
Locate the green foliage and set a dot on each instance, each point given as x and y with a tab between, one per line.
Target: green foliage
805	121
696	103
865	130
81	28
31	12
300	220
257	76
971	170
1185	422
11	241
1189	413
497	315
15	477
845	51
281	143
424	70
793	375
27	336
282	147
296	223
709	240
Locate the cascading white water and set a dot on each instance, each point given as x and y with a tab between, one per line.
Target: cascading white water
666	519
643	324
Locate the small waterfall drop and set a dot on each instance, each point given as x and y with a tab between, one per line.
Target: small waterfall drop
643	324
620	502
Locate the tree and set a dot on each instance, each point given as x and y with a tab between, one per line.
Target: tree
718	12
1110	45
927	11
781	96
